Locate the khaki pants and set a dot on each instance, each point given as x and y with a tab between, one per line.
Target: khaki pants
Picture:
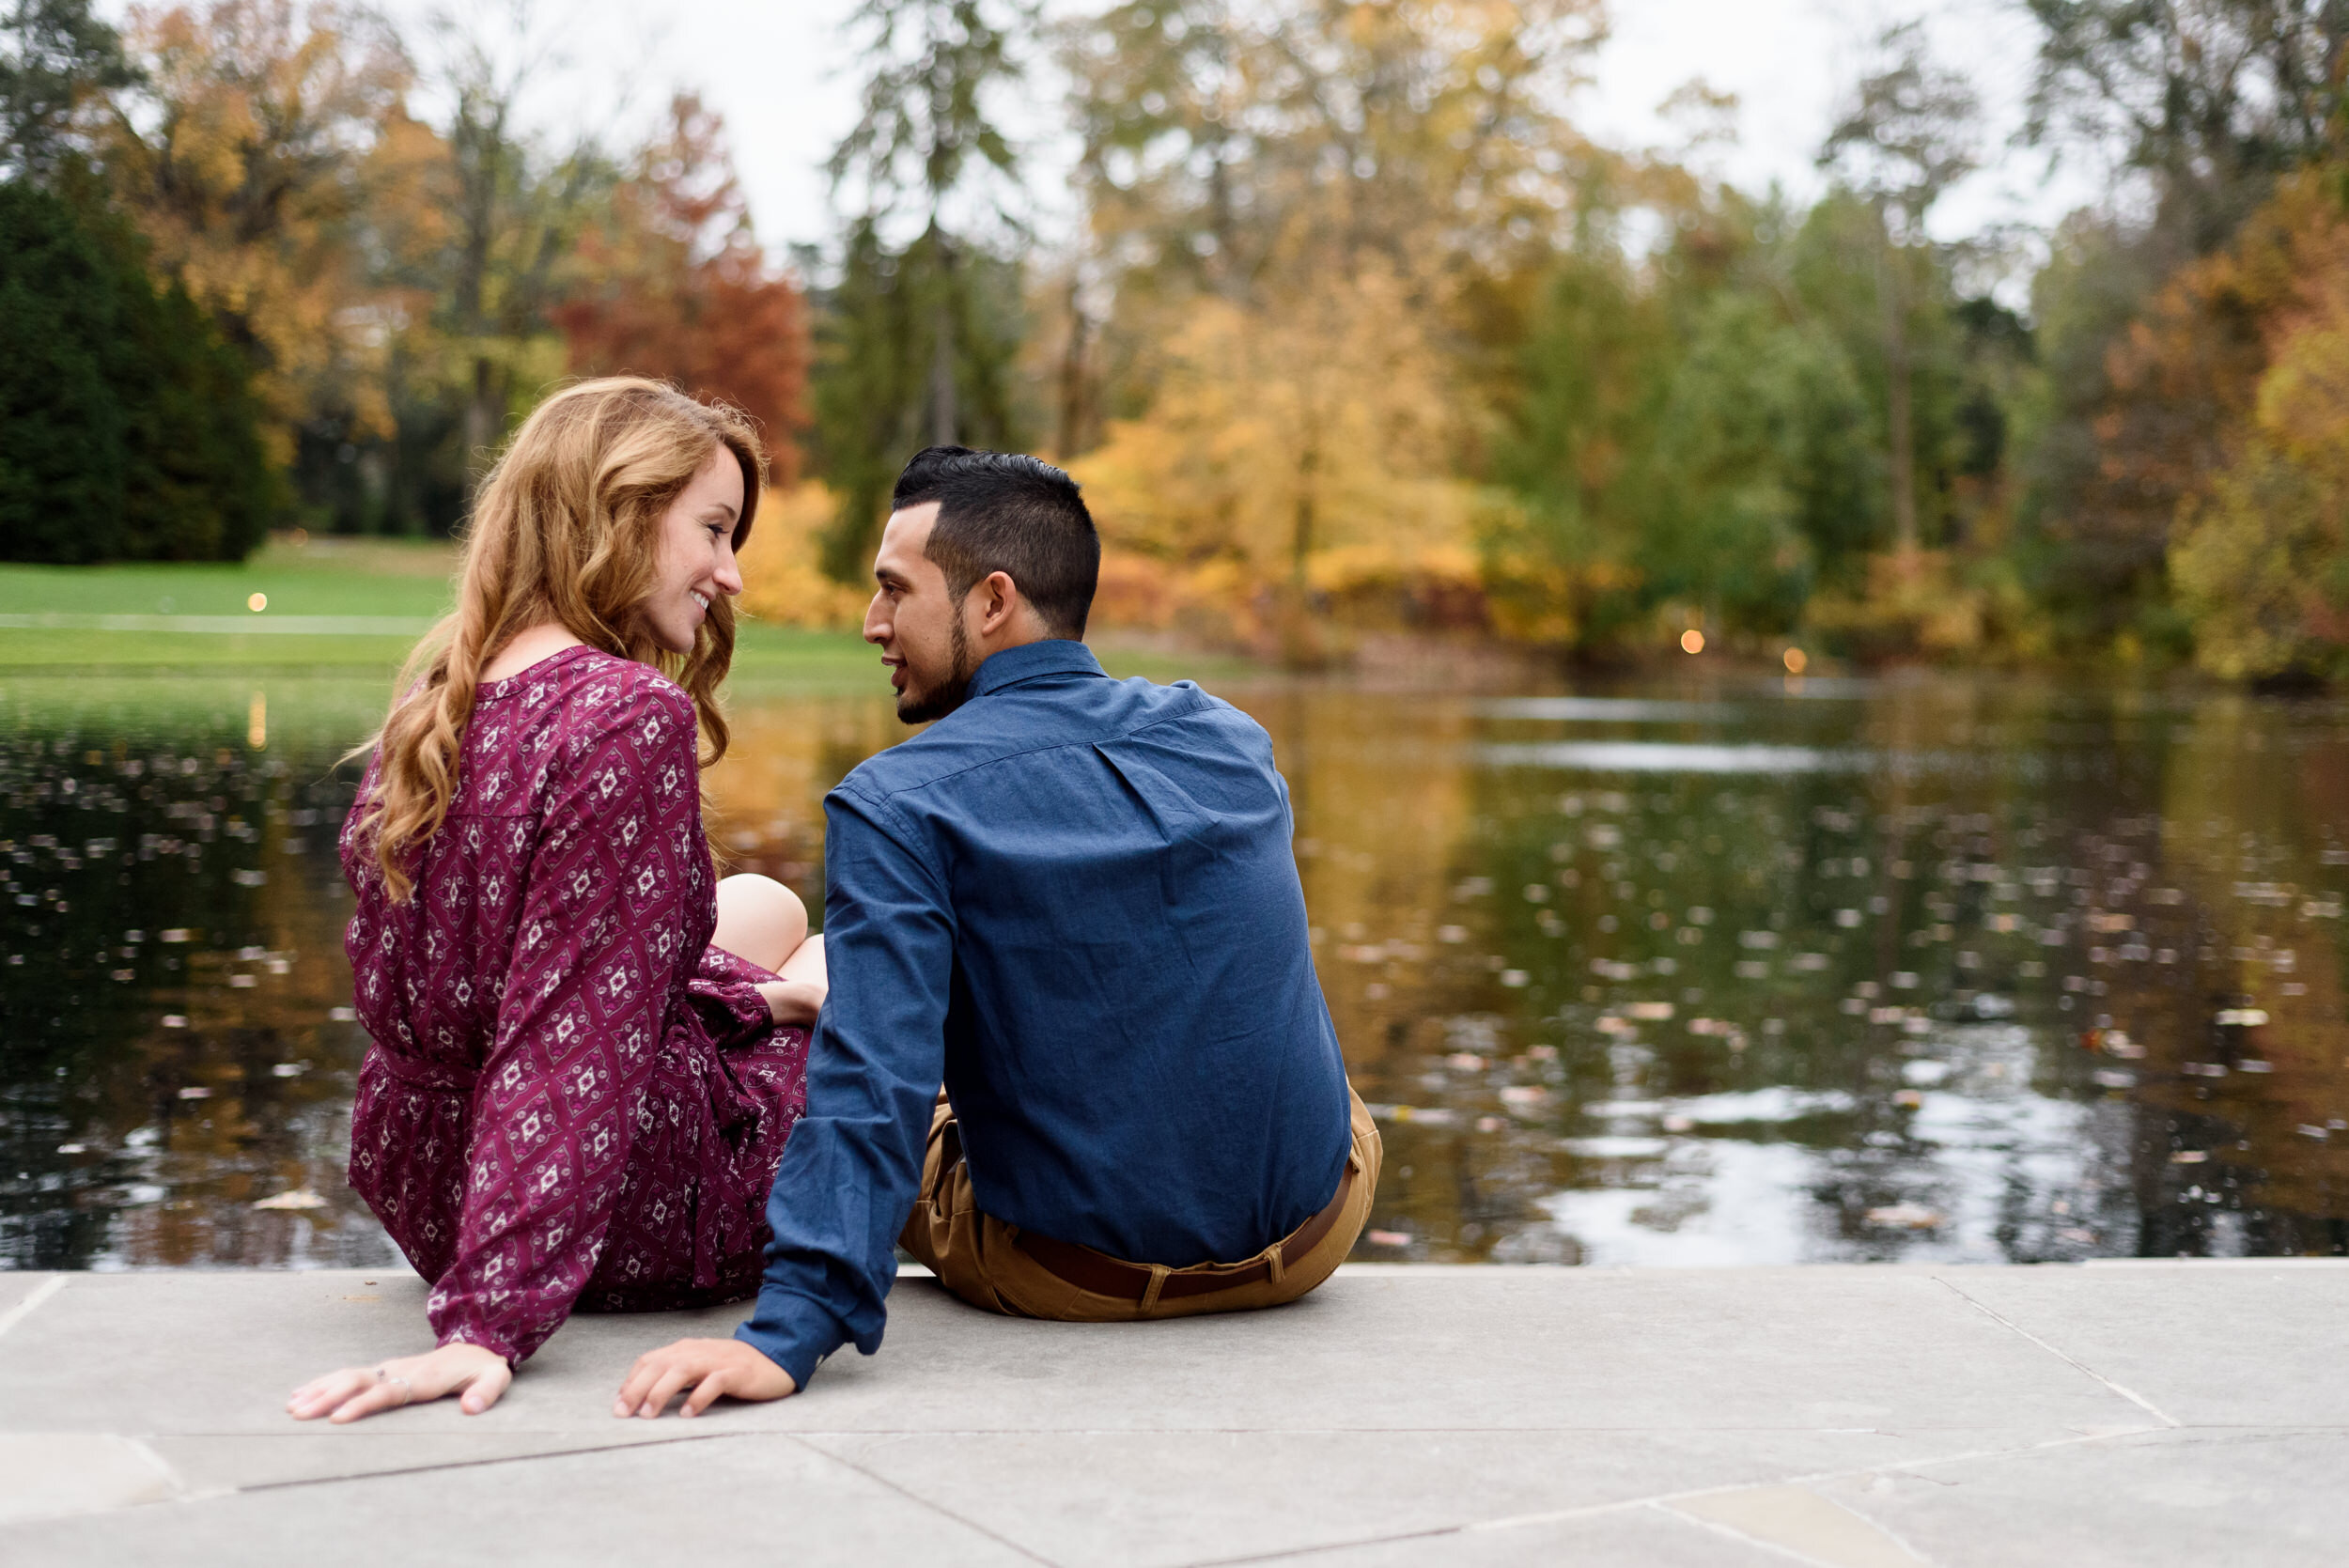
974	1255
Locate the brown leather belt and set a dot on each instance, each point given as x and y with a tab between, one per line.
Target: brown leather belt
1087	1269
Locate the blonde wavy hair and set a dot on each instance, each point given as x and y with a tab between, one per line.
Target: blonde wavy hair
567	528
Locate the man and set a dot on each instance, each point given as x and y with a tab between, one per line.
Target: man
1072	900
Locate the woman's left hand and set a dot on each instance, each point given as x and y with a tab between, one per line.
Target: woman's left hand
479	1376
792	1001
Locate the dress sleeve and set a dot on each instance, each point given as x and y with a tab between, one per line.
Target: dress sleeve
724	994
602	944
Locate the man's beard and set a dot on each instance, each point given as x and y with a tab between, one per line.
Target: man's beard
920	707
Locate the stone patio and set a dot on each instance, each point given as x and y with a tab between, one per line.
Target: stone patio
2128	1414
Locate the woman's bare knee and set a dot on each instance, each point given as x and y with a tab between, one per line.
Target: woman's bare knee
759	919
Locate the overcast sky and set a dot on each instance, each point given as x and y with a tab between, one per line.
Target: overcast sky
780	73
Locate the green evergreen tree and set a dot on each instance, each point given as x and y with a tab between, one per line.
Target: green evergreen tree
62	425
915	344
127	427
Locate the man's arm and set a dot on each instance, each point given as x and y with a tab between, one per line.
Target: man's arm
850	1169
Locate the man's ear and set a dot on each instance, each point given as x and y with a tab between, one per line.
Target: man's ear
999	605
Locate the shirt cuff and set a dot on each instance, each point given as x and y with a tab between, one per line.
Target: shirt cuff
794	1331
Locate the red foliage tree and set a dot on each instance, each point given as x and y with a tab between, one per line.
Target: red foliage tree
675	285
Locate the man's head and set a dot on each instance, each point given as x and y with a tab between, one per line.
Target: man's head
984	551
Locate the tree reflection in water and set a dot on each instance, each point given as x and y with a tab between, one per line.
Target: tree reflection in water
1963	968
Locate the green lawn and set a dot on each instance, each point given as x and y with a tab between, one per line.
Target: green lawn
331	578
327	578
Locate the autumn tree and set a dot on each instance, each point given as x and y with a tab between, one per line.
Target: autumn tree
1266	187
673	284
2259	552
519	209
2207	101
2205	107
246	180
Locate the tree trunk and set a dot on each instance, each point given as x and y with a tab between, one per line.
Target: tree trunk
1302	539
483	416
944	414
1072	377
1900	429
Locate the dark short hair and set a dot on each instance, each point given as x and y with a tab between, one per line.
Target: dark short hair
1005	512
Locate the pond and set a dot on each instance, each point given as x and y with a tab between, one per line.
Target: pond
1983	968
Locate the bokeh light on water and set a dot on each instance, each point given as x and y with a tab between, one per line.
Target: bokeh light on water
1782	972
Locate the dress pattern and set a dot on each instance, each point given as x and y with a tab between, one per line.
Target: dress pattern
571	1100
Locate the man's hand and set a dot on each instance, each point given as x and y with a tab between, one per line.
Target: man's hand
708	1368
479	1376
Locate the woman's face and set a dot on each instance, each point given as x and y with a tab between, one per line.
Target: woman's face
696	562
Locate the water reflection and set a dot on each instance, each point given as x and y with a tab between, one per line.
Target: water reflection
2022	975
1947	970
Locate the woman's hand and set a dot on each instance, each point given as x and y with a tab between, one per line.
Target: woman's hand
480	1375
792	1001
708	1368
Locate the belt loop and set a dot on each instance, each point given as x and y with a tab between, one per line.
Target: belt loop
1159	1272
1275	1262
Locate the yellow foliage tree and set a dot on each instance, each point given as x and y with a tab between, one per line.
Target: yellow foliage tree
783	576
1305	448
249	181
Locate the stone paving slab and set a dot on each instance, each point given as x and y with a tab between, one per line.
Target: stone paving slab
1848	1417
2200	1343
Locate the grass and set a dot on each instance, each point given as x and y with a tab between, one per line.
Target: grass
325	578
409	581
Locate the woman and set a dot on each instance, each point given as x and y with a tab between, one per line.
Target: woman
588	1051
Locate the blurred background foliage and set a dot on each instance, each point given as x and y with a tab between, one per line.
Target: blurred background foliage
1356	332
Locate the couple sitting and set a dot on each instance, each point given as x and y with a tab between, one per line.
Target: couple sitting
1072	901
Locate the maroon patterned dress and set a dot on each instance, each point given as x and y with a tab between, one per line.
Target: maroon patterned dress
571	1099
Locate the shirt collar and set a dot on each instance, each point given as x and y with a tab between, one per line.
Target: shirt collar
1053	656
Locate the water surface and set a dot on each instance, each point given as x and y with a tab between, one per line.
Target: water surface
1981	969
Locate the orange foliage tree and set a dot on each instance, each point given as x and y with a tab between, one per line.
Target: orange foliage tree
673	284
2260	558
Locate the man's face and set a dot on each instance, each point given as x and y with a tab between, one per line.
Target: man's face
919	632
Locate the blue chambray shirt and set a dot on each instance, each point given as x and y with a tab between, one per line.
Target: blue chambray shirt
1073	901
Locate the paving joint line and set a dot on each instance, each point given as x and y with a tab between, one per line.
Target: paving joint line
23	1309
920	1501
1656	1500
428	1466
1776	1549
2075	1362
